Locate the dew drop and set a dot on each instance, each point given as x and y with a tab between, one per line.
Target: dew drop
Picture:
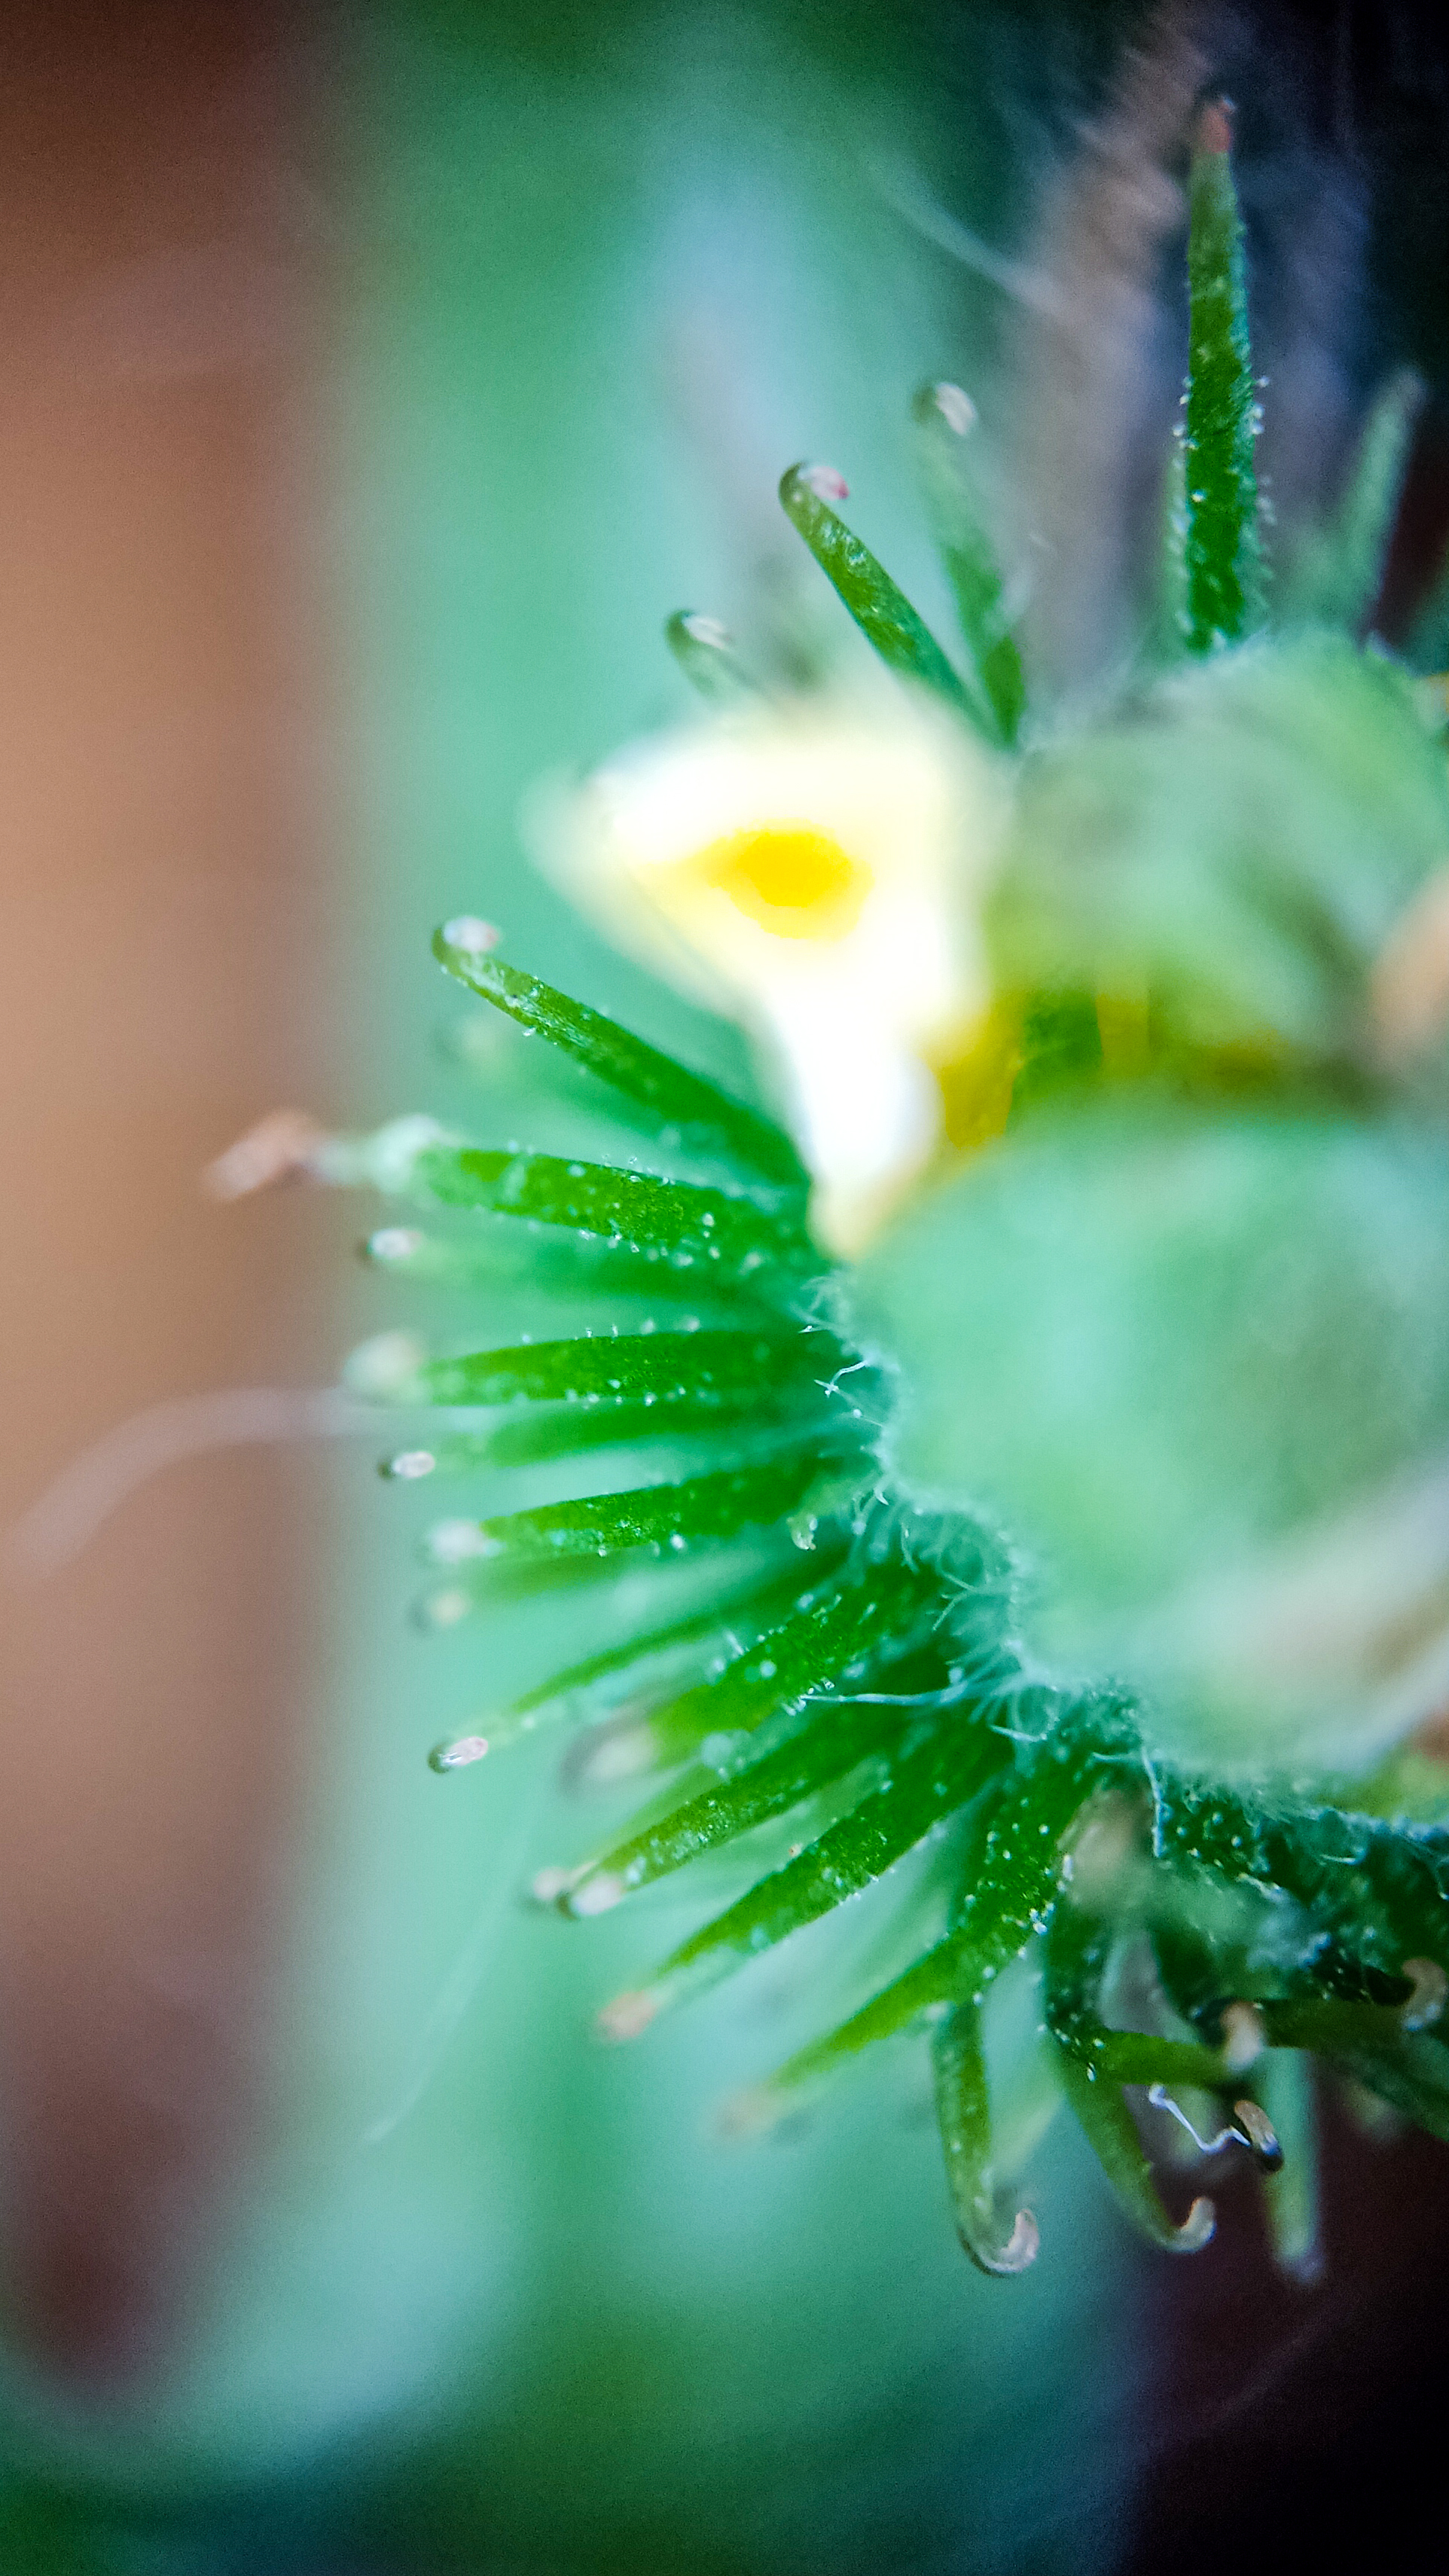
463	1749
408	1464
628	2015
548	1885
956	408
746	2113
385	1364
617	1754
445	1609
473	937
599	1894
453	1542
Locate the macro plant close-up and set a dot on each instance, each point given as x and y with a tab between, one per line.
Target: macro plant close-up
875	1763
1113	1456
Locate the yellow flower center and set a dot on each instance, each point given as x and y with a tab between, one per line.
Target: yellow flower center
792	878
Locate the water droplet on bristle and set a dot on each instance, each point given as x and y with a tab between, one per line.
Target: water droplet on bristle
706	630
393	1243
825	482
746	2113
548	1885
956	408
474	937
454	1542
281	1146
384	1365
389	1158
613	1752
463	1749
628	2015
408	1464
444	1609
599	1894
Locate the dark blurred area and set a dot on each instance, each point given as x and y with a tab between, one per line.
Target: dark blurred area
1302	2420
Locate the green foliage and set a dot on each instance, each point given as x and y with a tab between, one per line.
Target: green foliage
672	1098
1173	1344
1068	1413
731	1234
963	2113
1339	571
944	418
1238	842
706	656
702	1368
881	611
1223	583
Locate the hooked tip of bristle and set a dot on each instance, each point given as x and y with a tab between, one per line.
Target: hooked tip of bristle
1197	2229
1017	2254
1430	1991
283	1146
1261	2135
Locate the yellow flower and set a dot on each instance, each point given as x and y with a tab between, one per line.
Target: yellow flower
815	869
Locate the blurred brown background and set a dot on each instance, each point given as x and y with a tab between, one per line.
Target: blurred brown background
165	904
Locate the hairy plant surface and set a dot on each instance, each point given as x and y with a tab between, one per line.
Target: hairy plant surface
1086	1532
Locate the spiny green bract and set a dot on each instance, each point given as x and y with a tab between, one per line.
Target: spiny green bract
861	1665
